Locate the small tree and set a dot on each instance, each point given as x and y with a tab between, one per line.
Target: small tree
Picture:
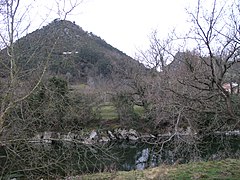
14	87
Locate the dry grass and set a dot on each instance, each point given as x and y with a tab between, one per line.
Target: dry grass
225	169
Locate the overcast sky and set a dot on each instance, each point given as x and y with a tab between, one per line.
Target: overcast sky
125	24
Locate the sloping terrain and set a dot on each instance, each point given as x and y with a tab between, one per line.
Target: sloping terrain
68	51
225	169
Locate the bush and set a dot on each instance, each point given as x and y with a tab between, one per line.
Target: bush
124	104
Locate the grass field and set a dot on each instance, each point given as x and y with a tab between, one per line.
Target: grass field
228	169
108	111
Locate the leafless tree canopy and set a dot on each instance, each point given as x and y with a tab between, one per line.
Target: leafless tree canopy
196	88
192	89
21	105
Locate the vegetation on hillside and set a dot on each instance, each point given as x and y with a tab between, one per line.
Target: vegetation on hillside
61	79
70	51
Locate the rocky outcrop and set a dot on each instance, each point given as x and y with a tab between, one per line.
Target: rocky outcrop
229	133
102	136
123	134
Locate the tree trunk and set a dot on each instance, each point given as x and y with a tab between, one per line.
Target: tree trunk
229	105
1	123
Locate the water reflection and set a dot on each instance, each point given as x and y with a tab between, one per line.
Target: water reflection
141	159
124	155
141	155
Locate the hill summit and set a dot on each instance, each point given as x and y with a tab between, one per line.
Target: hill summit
69	51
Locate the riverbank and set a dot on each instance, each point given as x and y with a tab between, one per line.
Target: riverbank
224	169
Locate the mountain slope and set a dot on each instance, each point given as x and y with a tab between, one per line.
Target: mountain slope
69	51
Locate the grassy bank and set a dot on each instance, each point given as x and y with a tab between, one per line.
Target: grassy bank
109	112
225	169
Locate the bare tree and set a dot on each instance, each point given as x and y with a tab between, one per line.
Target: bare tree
159	53
19	86
13	90
65	8
197	77
190	97
218	45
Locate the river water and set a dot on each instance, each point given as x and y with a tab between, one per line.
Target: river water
143	155
117	155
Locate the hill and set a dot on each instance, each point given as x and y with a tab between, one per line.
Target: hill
69	51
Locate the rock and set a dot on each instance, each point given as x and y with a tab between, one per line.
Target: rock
104	139
87	141
121	134
37	138
133	132
117	133
133	135
93	135
124	134
148	136
189	130
234	133
111	136
133	138
47	137
164	135
68	137
56	135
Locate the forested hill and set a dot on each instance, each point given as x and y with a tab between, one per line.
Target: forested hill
69	50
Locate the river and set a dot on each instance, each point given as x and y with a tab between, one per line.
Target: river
24	160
